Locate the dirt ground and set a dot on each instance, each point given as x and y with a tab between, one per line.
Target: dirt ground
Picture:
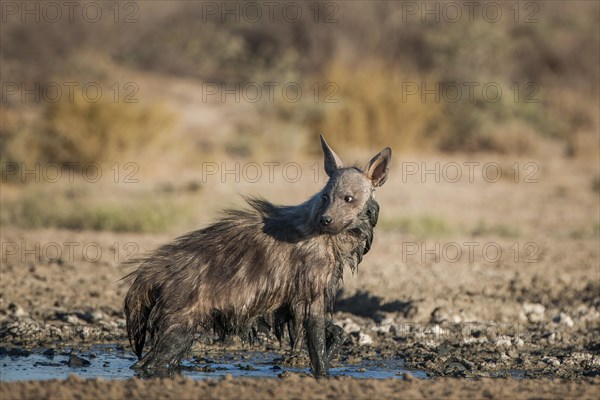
302	388
477	323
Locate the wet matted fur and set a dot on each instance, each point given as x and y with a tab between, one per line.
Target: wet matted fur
267	262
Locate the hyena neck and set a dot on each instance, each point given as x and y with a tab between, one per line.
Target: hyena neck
350	246
288	223
294	224
354	243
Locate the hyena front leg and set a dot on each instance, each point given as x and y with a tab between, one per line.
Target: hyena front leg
315	337
170	343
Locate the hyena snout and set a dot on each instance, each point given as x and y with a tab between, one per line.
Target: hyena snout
326	220
333	224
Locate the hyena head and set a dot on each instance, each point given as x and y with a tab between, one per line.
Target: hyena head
348	189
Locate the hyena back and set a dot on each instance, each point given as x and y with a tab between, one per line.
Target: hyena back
282	261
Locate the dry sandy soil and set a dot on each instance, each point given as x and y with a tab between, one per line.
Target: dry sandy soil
473	321
301	388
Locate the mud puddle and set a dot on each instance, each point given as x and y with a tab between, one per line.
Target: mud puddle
114	362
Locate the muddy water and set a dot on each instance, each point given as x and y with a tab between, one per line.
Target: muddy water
114	362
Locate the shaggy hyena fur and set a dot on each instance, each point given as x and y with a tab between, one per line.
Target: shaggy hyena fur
283	262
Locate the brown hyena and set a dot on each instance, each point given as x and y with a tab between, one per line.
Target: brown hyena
285	262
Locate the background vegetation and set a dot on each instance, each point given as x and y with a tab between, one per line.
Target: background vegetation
363	60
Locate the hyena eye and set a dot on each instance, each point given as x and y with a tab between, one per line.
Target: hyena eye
325	198
348	199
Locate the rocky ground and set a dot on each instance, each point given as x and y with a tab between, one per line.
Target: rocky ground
479	328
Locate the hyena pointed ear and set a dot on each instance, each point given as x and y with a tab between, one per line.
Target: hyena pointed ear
332	161
379	166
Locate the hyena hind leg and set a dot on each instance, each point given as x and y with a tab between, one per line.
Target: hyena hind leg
168	348
296	330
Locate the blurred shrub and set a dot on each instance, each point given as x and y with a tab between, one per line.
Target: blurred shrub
423	226
369	109
591	231
103	131
13	128
596	184
374	107
502	127
188	41
72	209
83	131
558	53
501	230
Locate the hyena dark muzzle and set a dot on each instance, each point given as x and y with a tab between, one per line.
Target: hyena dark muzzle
278	267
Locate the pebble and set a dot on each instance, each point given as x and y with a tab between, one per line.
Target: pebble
438	315
534	311
364	339
388	325
73	319
512	353
407	376
76	361
550	337
93	316
350	326
17	311
552	361
535	308
503	341
564	319
49	353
